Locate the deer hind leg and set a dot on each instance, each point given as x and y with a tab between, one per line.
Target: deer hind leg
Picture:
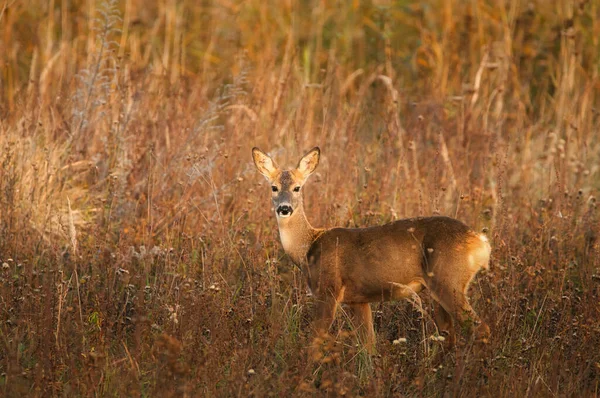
444	323
362	321
451	294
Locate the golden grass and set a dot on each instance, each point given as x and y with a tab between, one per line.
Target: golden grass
139	254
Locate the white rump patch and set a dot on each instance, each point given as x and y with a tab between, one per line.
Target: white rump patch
480	256
472	262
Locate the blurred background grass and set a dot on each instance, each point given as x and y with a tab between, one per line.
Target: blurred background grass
139	254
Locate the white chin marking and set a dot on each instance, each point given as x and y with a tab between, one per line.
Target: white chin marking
283	215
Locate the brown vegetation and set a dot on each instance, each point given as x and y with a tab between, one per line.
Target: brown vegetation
138	252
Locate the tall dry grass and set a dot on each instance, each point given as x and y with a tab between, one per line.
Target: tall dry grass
139	254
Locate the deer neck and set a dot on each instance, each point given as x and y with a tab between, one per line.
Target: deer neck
297	235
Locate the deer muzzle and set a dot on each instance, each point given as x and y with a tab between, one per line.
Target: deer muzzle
284	210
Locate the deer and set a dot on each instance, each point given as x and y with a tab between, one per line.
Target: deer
394	261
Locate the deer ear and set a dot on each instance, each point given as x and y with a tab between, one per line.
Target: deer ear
309	162
264	164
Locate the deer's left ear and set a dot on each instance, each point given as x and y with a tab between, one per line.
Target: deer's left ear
309	162
264	164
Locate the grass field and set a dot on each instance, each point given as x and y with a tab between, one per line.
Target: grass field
139	253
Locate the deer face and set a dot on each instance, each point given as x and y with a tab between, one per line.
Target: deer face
286	185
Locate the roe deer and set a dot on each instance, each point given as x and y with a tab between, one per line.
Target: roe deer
357	266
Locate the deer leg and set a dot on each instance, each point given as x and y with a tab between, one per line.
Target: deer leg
462	311
362	321
470	320
443	321
324	316
456	303
326	309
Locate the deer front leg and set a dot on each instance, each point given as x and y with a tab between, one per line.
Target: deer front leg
324	316
362	321
326	308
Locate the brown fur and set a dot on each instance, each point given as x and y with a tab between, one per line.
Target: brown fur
388	262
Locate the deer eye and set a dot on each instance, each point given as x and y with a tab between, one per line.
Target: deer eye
274	188
297	189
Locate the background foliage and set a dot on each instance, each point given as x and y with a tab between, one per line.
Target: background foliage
139	253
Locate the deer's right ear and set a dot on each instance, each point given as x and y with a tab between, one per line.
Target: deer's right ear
264	164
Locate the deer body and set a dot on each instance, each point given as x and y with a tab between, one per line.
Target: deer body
357	266
372	262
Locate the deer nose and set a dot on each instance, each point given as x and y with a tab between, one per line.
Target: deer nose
284	210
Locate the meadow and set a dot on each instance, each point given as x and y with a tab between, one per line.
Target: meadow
139	252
